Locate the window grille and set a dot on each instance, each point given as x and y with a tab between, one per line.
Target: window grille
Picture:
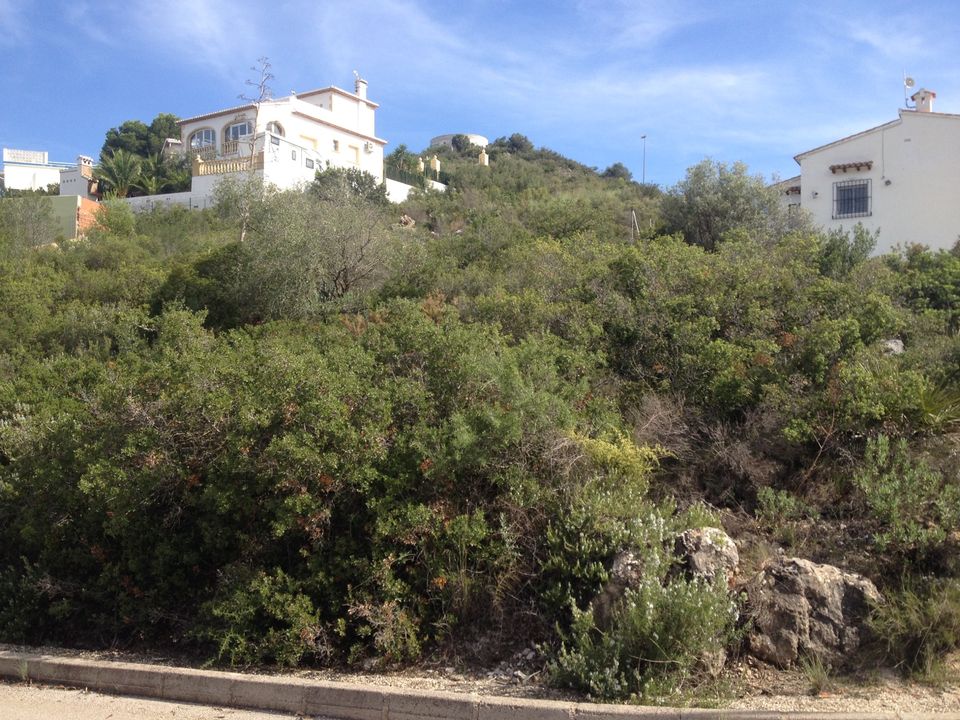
851	198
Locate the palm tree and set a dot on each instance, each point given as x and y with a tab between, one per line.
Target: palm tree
152	178
120	172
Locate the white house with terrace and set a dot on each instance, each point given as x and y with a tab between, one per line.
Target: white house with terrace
900	178
284	142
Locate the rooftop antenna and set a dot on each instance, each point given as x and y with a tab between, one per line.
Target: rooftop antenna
908	84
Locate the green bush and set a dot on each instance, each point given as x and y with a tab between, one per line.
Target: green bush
656	638
919	623
914	506
263	618
775	507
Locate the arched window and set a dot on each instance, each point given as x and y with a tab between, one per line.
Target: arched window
202	138
275	128
238	130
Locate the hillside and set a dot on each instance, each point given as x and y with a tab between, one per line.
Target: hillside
291	430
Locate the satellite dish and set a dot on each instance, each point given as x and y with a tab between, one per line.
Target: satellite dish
909	82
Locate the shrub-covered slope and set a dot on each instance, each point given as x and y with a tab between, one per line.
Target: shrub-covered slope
292	430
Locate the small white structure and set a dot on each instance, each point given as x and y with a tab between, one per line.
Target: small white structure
30	169
900	178
282	141
478	140
397	191
79	180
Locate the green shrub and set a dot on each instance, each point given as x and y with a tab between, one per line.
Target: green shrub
919	624
912	503
775	507
602	511
263	618
656	638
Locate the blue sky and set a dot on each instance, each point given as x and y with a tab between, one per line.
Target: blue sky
730	79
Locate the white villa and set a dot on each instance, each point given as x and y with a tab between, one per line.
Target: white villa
30	169
283	141
900	178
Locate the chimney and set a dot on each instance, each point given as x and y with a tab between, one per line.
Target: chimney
85	165
360	87
923	99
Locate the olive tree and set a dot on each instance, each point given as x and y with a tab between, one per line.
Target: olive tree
307	252
25	223
715	199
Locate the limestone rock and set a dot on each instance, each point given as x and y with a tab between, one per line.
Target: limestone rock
708	553
712	662
893	346
625	572
801	608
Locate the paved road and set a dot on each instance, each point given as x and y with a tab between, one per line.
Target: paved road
35	702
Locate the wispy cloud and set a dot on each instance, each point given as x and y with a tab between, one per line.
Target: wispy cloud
473	66
13	24
89	22
218	35
641	25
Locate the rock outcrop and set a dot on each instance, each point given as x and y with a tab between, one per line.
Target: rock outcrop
625	572
707	552
893	346
801	608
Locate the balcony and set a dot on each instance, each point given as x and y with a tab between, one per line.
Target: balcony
224	166
238	145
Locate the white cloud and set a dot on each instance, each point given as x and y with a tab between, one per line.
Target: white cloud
641	25
89	22
13	24
217	35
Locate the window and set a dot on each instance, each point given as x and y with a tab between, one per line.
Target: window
238	130
202	138
275	128
336	146
851	198
309	163
274	140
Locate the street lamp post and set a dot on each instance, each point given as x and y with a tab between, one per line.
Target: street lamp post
643	175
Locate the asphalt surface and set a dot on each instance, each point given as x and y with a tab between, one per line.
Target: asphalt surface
20	701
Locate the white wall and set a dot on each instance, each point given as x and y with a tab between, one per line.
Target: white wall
398	192
29	169
187	199
915	178
74	182
288	164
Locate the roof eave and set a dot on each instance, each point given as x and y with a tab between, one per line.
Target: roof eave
862	133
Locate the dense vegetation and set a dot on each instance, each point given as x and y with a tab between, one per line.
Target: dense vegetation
291	430
132	161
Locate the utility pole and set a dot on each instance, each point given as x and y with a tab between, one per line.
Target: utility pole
643	175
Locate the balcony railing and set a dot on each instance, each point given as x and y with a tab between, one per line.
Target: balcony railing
226	165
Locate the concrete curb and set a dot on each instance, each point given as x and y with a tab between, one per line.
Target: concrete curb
348	701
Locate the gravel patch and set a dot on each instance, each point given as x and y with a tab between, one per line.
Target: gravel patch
745	685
